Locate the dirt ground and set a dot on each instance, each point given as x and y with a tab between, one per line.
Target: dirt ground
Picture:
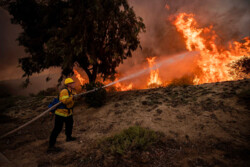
204	125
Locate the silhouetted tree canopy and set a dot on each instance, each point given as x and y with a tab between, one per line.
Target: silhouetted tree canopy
96	35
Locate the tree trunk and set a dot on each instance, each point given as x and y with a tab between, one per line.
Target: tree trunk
94	73
91	76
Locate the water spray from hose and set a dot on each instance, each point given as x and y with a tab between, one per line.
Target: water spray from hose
156	66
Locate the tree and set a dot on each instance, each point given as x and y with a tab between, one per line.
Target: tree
96	35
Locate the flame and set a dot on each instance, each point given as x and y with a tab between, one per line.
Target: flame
154	79
121	87
213	59
118	86
79	77
212	62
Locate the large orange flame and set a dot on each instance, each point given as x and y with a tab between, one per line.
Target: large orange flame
154	79
213	59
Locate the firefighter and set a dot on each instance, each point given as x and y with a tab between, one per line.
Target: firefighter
64	114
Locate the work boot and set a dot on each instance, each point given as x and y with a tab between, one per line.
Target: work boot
68	139
53	149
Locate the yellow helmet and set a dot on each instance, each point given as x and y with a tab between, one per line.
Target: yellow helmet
68	80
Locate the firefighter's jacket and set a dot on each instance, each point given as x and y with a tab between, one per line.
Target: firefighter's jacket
66	97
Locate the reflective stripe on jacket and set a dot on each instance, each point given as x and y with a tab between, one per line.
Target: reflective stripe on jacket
66	99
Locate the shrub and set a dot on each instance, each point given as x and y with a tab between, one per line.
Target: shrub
6	100
183	81
111	89
154	85
97	98
6	103
48	92
133	138
240	68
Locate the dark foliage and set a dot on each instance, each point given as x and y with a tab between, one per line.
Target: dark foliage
96	35
4	91
97	98
183	81
48	92
6	100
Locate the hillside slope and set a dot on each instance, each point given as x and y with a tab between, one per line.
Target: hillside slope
204	125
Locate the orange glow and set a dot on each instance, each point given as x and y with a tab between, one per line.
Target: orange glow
154	79
121	87
79	77
210	65
167	6
213	59
118	86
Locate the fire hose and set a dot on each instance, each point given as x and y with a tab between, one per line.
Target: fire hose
45	112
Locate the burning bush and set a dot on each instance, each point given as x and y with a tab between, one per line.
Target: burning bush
241	67
213	58
154	85
97	98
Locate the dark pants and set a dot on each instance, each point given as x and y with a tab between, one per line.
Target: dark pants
59	120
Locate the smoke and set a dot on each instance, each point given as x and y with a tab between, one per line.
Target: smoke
10	51
229	18
164	62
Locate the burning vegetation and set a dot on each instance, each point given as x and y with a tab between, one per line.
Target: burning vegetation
101	53
213	59
79	77
154	79
214	62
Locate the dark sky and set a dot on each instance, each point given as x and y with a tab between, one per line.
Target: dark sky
231	19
